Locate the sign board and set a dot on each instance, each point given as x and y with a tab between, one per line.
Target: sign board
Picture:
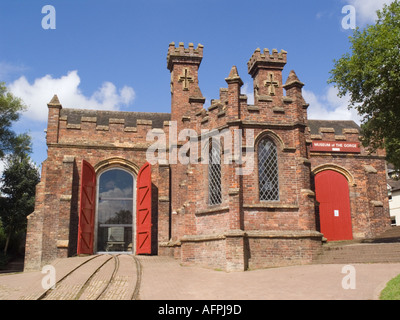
336	212
335	146
116	234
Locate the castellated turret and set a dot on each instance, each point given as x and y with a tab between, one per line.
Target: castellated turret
186	97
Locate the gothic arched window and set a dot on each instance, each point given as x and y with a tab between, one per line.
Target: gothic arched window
214	175
268	176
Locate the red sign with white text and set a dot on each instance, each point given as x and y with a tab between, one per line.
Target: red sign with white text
335	146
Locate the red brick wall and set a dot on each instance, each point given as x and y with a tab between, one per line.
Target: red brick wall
282	119
367	187
53	227
277	252
240	232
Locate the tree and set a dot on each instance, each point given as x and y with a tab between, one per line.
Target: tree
19	180
370	74
10	108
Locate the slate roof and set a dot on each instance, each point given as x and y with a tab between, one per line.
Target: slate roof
337	125
74	116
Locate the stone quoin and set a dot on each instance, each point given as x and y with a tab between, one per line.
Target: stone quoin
204	213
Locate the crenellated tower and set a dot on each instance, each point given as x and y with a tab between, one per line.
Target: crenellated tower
186	101
270	100
266	71
186	97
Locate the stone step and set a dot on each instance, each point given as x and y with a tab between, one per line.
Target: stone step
359	253
390	235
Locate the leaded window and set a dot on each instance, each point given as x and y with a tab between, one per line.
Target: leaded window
268	176
214	175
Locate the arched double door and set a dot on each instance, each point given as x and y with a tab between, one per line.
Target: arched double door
115	210
332	193
114	225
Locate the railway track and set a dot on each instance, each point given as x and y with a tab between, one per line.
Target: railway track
100	277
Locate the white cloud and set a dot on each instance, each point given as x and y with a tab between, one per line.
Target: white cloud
39	93
329	106
248	90
366	9
9	69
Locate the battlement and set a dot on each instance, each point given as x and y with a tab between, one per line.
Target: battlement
99	127
103	119
274	60
182	54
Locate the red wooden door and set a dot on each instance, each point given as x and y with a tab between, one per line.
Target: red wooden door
87	209
332	192
143	211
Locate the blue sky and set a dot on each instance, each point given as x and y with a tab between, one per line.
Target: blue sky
111	54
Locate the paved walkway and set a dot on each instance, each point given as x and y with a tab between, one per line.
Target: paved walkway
163	278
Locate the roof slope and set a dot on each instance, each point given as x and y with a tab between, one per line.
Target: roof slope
74	116
337	125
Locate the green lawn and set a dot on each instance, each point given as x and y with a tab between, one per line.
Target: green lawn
392	290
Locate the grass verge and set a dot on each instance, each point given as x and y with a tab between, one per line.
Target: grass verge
392	290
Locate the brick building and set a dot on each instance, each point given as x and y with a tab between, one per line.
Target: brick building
266	195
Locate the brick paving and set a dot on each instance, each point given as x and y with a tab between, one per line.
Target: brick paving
70	287
85	278
163	278
124	284
99	283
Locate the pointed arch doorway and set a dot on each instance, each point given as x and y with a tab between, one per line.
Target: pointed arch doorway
332	193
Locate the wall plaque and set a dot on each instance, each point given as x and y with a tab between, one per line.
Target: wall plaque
335	146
